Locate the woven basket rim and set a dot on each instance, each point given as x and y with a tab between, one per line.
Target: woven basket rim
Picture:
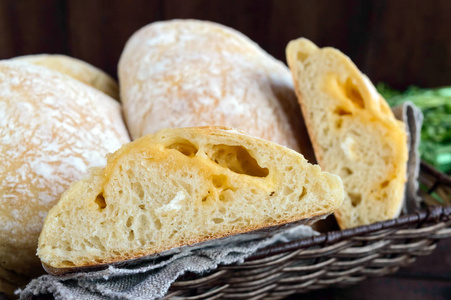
431	214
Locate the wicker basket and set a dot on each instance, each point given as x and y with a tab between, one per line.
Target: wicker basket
336	258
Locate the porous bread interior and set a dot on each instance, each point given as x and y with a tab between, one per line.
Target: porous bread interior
353	132
180	187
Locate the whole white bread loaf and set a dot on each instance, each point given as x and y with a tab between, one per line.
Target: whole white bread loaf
353	131
185	73
52	129
77	69
180	187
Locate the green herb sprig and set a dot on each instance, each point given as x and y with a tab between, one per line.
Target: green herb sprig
435	146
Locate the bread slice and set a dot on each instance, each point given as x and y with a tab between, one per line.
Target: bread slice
353	132
75	68
180	187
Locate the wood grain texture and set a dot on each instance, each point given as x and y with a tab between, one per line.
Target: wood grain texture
401	42
28	27
99	29
410	43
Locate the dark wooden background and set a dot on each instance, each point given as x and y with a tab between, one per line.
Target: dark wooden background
400	42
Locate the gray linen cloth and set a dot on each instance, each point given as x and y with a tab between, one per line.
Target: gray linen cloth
151	277
413	118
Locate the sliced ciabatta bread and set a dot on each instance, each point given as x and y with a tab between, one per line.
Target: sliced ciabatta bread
353	132
180	187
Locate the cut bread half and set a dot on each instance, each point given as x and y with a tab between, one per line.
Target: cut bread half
180	187
353	132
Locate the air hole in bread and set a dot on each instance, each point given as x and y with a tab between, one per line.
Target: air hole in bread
301	56
184	147
239	219
338	123
97	243
342	112
131	235
137	189
219	181
346	171
100	201
226	195
238	160
218	220
142	206
353	93
287	191
157	224
303	194
129	221
355	198
68	263
385	184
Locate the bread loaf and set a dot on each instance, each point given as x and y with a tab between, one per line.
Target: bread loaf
185	73
52	129
353	132
77	69
180	187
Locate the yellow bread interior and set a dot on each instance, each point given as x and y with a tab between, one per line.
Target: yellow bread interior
353	132
180	187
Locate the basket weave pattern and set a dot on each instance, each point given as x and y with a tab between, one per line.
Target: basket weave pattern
337	258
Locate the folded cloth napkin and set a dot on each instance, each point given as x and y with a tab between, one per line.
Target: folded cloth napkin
152	277
413	118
